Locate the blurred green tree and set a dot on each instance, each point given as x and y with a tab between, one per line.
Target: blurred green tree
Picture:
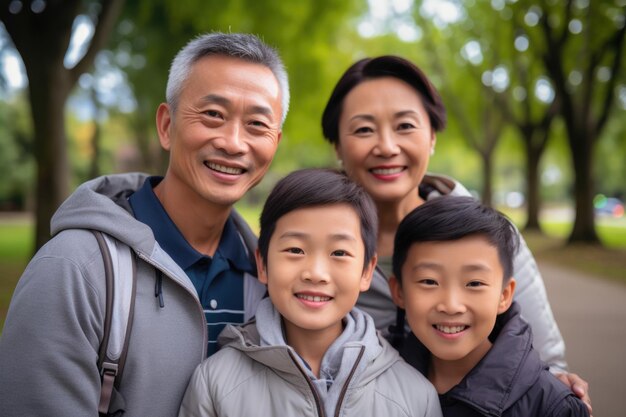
41	33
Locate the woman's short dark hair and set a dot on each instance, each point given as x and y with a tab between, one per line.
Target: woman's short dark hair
451	218
382	66
318	187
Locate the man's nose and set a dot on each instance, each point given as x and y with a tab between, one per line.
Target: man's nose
233	140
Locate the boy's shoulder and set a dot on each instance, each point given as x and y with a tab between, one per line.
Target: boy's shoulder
514	378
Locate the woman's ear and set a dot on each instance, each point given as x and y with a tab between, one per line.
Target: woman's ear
506	298
368	273
396	291
261	268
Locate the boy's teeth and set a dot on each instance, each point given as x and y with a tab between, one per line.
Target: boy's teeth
315	298
450	329
224	169
387	171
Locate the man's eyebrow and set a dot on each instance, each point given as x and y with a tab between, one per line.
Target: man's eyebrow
217	99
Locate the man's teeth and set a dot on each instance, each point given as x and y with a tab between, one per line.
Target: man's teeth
450	329
224	169
315	298
387	171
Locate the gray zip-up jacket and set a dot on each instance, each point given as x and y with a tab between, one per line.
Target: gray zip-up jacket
530	292
54	327
257	374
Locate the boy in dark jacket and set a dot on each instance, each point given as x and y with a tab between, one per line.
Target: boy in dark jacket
452	264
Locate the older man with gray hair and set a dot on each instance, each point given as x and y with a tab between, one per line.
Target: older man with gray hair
227	98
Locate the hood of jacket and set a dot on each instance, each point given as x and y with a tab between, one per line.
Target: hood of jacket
504	374
102	204
357	357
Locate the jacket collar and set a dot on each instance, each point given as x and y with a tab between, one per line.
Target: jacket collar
505	373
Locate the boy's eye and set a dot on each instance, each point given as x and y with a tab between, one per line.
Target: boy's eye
428	282
339	252
294	250
475	284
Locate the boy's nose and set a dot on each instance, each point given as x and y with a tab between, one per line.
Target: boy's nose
316	272
451	303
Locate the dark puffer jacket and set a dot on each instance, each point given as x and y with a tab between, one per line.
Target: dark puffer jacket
510	381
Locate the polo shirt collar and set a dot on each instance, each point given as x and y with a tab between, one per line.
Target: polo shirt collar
148	209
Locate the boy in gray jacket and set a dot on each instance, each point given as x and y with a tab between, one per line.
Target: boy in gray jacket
310	352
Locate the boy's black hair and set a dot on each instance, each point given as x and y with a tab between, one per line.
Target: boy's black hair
318	187
451	218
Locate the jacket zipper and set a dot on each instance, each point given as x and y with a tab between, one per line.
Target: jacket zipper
345	386
316	396
194	296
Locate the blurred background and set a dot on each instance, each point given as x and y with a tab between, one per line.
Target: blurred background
535	92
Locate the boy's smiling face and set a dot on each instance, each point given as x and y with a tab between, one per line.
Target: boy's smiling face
314	269
452	292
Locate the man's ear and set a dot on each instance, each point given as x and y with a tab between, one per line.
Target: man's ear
261	269
396	291
163	124
506	298
368	273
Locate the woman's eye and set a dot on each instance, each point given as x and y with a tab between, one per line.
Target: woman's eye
363	130
405	126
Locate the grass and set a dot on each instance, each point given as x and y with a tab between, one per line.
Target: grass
16	240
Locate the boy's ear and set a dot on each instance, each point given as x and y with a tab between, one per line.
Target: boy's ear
396	291
506	298
368	273
261	270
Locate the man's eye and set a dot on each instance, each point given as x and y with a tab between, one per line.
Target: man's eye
258	123
213	113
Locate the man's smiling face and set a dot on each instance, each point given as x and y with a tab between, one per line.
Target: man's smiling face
225	130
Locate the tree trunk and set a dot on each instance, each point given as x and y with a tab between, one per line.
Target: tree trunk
532	186
487	195
584	224
47	107
94	166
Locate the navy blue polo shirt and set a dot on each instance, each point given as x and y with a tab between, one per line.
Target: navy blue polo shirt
218	279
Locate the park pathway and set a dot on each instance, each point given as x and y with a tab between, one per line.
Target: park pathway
591	314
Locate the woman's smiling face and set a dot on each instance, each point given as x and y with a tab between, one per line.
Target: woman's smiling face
385	138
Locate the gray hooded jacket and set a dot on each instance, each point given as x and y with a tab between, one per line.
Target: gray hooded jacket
530	291
54	326
257	374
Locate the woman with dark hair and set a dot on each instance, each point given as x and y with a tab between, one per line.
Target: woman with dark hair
382	118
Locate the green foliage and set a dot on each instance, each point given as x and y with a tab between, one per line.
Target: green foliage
16	155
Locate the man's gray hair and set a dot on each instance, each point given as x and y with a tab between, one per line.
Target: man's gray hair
238	45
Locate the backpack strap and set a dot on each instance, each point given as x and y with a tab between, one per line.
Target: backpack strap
120	272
